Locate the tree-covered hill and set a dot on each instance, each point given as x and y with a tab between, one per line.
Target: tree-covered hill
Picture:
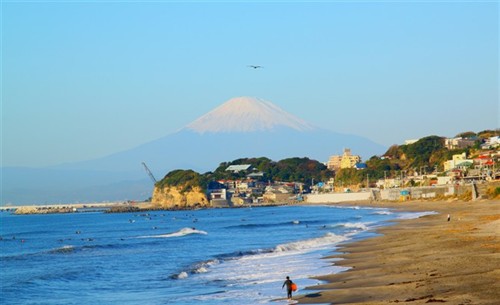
290	169
425	156
302	170
187	179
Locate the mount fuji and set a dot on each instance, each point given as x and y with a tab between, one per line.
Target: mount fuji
247	114
241	127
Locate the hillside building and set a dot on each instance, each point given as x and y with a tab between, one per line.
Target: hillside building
458	143
411	141
457	161
239	168
491	143
347	160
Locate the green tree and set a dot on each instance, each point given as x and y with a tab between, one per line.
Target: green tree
466	135
188	179
420	152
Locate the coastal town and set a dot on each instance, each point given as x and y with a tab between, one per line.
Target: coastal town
460	174
250	152
465	167
460	226
470	172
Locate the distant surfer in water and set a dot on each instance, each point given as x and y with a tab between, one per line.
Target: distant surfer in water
288	283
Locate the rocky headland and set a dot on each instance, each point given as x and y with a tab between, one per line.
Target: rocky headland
176	197
180	190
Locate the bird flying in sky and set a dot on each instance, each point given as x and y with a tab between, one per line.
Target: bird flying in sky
255	66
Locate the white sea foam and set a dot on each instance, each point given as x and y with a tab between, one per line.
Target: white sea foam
252	276
258	275
413	215
182	275
383	212
355	207
203	267
312	243
356	225
201	270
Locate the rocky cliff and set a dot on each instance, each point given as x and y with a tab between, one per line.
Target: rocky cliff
176	197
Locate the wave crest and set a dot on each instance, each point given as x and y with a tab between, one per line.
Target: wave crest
318	242
63	250
355	225
180	233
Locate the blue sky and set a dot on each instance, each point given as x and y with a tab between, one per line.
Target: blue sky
84	79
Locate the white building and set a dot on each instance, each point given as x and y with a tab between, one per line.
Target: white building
492	142
456	161
412	141
458	143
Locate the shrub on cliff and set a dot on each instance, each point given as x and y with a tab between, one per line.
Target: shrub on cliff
493	192
186	179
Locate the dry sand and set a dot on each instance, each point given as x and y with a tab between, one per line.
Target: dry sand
424	260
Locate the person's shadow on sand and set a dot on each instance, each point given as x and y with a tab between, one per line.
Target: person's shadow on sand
313	295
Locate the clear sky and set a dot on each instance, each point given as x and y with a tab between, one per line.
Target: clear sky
83	79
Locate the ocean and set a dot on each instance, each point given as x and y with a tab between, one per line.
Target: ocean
211	256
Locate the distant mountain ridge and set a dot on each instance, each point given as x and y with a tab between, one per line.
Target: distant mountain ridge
241	127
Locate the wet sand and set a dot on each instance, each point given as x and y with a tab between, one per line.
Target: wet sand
420	261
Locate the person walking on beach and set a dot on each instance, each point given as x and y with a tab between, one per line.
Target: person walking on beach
288	283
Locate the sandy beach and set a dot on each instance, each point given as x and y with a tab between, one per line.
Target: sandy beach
420	261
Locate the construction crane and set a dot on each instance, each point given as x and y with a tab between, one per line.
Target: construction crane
149	172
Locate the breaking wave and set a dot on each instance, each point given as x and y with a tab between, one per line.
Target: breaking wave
180	233
354	225
273	225
383	212
63	250
315	243
327	240
196	269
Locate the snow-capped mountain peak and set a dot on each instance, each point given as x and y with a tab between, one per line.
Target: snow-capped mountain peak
247	114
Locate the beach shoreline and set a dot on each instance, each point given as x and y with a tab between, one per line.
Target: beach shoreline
419	261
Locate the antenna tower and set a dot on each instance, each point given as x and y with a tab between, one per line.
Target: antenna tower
150	174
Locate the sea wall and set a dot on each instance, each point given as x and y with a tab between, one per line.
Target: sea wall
175	197
338	197
398	194
26	210
426	192
395	194
416	192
